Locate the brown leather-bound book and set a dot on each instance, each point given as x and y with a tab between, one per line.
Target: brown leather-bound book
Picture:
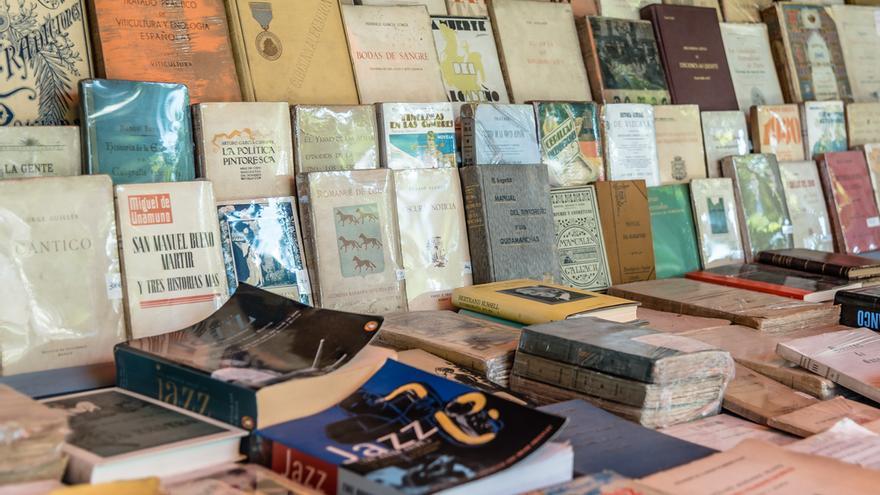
693	55
626	223
831	264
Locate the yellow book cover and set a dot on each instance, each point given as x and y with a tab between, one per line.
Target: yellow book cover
146	486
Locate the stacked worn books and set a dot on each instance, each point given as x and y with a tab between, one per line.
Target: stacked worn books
31	439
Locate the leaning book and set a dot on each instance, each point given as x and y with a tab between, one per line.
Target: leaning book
39	151
716	223
416	135
334	138
580	244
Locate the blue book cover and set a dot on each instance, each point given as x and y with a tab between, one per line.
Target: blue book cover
137	132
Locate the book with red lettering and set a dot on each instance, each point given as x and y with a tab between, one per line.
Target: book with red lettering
855	220
774	280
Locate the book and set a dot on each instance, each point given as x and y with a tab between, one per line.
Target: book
39	151
757	398
861	123
723	432
335	138
700	76
821	416
872	157
104	446
623	63
59	243
858	41
33	439
136	132
811	226
499	134
183	43
672	226
245	149
715	222
144	486
630	143
263	239
776	129
807	53
724	134
531	302
846	441
433	236
435	7
580	244
823	126
765	312
676	322
351	241
233	479
467	8
40	85
775	280
571	142
833	264
172	261
760	201
859	307
291	51
710	4
622	9
747	47
493	319
539	51
242	364
680	152
510	222
393	54
855	220
626	225
416	135
604	482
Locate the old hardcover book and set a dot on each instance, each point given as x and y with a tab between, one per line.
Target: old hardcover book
724	134
855	220
244	149
467	8
174	42
832	264
811	226
433	236
393	54
694	58
435	7
571	142
859	40
859	307
807	52
335	138
758	398
171	255
862	121
499	134
580	245
755	82
872	157
622	61
765	312
291	51
630	142
351	241
710	4
818	417
716	223
774	280
137	132
680	152
539	52
672	226
760	203
776	129
676	322
823	126
39	151
46	46
744	11
416	135
626	226
723	432
60	243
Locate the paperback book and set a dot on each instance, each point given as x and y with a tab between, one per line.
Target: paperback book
861	123
580	244
416	135
335	138
724	134
499	134
630	143
680	154
747	47
811	226
39	151
859	307
571	142
855	220
859	38
716	222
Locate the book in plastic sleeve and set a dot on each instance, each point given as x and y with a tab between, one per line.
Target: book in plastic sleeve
859	39
776	129
467	8
824	127
571	142
861	123
747	47
716	222
580	245
855	220
806	204
630	142
724	134
417	135
335	138
623	9
680	154
673	231
499	134
39	151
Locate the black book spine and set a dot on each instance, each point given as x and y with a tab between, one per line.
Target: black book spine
858	310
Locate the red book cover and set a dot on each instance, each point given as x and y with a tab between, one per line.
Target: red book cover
771	279
752	285
302	468
850	196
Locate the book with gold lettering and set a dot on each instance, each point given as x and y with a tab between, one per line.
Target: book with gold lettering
863	123
416	135
811	226
859	39
39	151
680	152
580	244
335	138
751	65
776	129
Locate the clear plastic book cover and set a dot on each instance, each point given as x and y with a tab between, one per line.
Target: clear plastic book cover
571	144
39	151
505	134
417	135
335	138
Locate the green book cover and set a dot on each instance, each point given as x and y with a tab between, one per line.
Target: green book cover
672	223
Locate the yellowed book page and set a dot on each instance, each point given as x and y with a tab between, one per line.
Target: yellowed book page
823	415
724	432
680	151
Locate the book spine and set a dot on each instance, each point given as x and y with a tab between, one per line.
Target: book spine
468	135
753	285
198	137
477	228
772	17
728	169
833	208
383	134
298	466
804	265
239	52
856	316
310	252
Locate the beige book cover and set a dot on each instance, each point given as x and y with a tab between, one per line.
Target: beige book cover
823	415
623	9
806	206
435	7
171	255
863	123
758	398
245	149
59	274
630	142
750	60
680	152
724	134
716	222
39	151
709	4
824	127
335	138
724	432
467	8
433	236
744	11
872	156
291	51
350	233
860	42
393	54
539	50
776	129
846	441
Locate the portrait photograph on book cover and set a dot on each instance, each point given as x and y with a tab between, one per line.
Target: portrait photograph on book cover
546	295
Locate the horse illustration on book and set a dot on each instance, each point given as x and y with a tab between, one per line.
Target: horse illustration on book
343	217
369	241
364	216
356	233
363	264
345	244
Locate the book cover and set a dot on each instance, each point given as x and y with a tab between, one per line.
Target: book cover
539	51
859	39
468	8
755	82
622	60
173	42
435	7
137	132
39	151
672	225
335	138
416	135
824	127
859	307
571	142
58	241
680	152
776	130
821	416
499	134
855	220
872	157
626	225
245	149
171	254
393	53
833	264
433	236
769	279
716	222
744	11
46	52
580	245
862	120
623	9
291	51
724	134
630	142
758	398
811	226
724	432
240	479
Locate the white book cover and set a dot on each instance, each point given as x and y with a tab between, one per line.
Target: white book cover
724	134
499	134
417	135
750	60
857	27
435	7
824	127
806	205
716	222
39	151
630	142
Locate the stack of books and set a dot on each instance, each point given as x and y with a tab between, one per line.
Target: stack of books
31	439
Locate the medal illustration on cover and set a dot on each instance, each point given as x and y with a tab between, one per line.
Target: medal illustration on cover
359	243
268	43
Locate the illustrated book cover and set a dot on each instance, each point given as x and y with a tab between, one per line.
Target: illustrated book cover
716	222
580	244
571	142
416	135
335	138
855	221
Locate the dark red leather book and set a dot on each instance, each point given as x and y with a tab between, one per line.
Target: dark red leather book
855	220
